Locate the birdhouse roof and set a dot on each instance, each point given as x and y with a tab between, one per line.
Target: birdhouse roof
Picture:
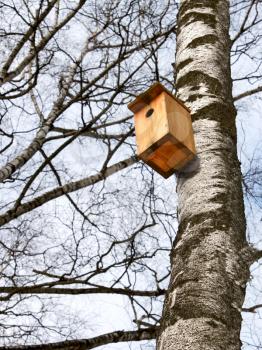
146	97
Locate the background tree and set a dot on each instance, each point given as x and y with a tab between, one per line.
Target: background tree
74	229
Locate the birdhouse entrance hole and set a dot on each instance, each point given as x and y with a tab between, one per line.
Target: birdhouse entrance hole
149	112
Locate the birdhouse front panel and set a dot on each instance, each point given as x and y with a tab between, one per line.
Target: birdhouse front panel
164	133
151	123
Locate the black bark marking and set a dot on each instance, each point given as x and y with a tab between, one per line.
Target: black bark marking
183	64
193	16
186	6
203	40
196	77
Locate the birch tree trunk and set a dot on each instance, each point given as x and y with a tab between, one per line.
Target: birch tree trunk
209	267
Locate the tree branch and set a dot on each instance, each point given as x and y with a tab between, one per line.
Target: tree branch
69	132
248	93
67	188
78	291
252	308
242	28
33	27
6	77
257	254
91	343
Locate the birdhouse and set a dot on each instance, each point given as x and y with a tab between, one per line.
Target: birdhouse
164	133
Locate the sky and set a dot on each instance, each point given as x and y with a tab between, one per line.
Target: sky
102	313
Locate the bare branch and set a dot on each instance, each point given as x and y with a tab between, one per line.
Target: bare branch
25	37
6	77
243	28
251	309
67	188
78	291
248	93
86	344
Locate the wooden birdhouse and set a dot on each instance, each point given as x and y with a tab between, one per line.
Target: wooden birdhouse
164	133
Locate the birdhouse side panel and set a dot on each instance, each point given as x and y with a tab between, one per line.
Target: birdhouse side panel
151	123
180	124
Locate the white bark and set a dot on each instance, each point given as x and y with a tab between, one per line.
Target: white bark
209	273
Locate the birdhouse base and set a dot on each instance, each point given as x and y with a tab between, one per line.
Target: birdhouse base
167	155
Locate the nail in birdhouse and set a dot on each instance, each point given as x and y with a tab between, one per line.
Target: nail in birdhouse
164	133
